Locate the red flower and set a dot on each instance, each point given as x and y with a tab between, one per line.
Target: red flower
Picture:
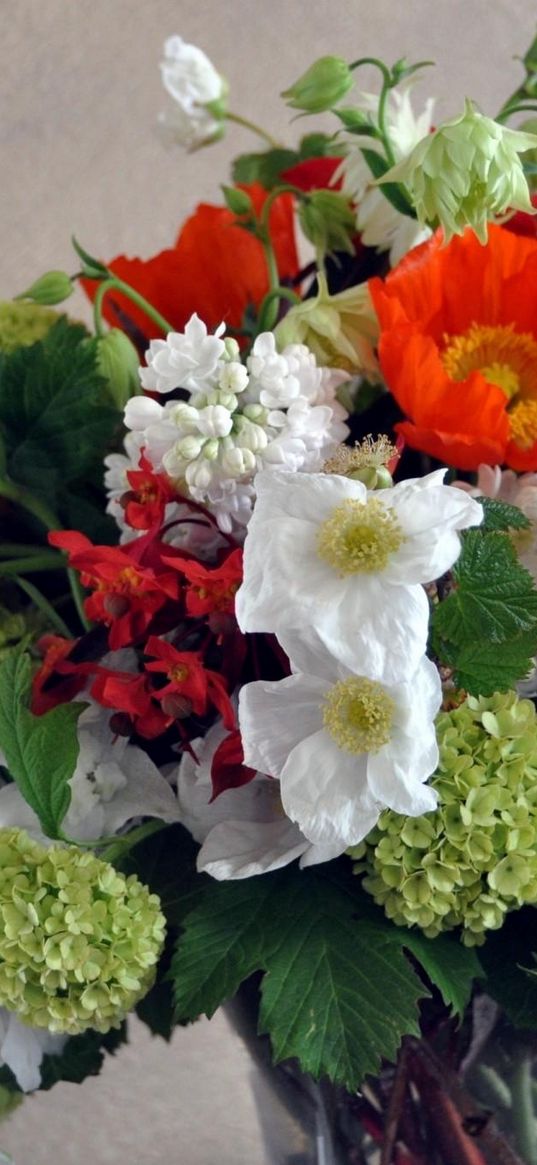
522	223
458	348
55	660
228	770
216	269
131	694
211	589
313	174
126	595
188	679
145	503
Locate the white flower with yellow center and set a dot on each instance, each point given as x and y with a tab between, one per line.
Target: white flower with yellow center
324	553
342	745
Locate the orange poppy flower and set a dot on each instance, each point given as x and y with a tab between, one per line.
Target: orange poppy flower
458	348
216	269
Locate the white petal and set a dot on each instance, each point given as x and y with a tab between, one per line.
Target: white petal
241	849
16	812
315	854
23	1048
275	717
325	791
430	514
146	794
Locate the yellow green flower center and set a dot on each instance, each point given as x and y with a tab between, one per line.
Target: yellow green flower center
359	537
507	359
358	714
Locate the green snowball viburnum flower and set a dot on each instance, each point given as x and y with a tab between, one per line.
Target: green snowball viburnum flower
79	941
475	857
467	173
23	324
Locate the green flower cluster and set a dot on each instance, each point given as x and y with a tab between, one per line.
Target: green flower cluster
78	940
23	324
475	857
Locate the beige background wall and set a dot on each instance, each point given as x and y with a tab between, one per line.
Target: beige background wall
79	96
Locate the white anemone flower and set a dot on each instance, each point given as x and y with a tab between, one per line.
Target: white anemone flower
244	831
324	553
342	745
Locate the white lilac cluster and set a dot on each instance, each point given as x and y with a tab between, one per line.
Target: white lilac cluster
279	409
379	223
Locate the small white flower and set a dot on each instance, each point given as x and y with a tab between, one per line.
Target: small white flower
233	377
194	86
379	223
244	831
349	564
272	380
342	745
188	359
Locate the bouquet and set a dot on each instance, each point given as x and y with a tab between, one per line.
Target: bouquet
268	621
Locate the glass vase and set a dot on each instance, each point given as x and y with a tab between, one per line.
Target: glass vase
462	1094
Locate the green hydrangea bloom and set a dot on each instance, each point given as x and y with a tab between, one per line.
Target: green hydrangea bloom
23	324
475	857
467	173
78	942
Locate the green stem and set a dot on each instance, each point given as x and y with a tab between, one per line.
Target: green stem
115	284
16	549
22	497
268	317
524	1122
43	605
45	560
115	847
245	122
266	310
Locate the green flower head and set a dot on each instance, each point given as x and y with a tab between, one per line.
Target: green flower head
78	941
475	857
466	174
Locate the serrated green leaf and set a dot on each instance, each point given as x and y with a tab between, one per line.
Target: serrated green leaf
55	416
338	992
264	168
484	668
450	966
500	516
494	599
41	751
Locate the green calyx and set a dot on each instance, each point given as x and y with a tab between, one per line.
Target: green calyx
322	86
23	324
78	942
475	857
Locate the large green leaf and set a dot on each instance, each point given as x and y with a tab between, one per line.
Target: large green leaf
55	414
338	993
451	966
41	751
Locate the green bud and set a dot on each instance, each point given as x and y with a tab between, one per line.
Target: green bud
51	288
321	87
237	200
466	174
118	363
79	941
328	221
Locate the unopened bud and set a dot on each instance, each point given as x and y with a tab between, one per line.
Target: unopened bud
321	87
118	363
51	288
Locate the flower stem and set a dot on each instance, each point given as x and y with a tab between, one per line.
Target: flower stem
115	284
245	122
43	605
30	563
39	509
524	1122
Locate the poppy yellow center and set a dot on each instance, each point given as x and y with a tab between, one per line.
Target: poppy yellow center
359	714
509	360
359	537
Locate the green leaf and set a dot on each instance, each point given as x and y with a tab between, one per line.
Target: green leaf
391	190
338	993
81	1057
495	597
317	145
238	201
55	413
357	122
41	751
156	1010
166	862
501	516
484	668
450	966
264	168
506	959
